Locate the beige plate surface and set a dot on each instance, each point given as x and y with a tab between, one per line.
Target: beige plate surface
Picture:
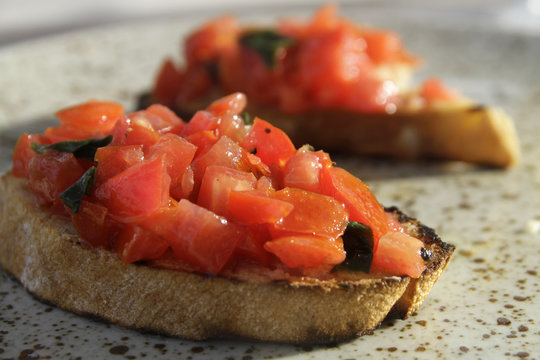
487	304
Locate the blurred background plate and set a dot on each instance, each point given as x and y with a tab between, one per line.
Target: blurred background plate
485	305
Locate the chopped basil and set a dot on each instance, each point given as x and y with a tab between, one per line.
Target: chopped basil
247	118
74	194
266	43
79	148
358	243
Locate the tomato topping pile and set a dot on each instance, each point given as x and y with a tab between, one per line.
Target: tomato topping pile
209	194
326	62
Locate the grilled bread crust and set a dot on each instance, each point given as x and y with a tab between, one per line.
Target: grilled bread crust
44	253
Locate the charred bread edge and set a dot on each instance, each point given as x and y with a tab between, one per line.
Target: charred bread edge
470	133
43	252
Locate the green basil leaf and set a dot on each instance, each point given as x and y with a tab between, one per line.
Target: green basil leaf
358	243
74	194
266	43
79	148
247	118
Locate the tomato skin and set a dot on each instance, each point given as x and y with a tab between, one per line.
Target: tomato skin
358	199
52	173
269	143
202	238
93	225
112	160
137	191
312	214
254	207
68	133
398	254
134	243
306	251
23	153
216	185
232	104
92	116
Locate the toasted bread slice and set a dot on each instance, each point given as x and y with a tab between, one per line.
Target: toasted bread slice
461	132
45	254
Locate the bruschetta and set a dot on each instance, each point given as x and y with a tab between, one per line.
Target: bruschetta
215	228
338	85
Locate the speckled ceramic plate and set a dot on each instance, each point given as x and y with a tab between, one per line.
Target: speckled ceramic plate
486	305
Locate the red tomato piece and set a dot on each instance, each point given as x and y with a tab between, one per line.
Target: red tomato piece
269	143
134	243
169	121
168	83
398	254
202	120
52	173
383	46
178	154
93	225
196	82
306	250
302	171
216	185
112	160
433	89
137	191
225	152
312	214
92	116
135	129
188	183
208	43
254	207
252	246
203	140
393	223
68	133
201	238
23	153
358	199
232	104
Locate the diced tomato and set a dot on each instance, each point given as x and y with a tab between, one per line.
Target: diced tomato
170	122
168	83
52	173
196	82
22	153
264	185
68	133
202	238
307	250
202	120
93	225
92	116
269	143
252	245
393	223
137	191
313	214
134	243
302	171
224	152
135	129
358	199
253	207
218	182
178	154
112	160
398	254
383	46
203	140
187	183
232	104
207	43
433	89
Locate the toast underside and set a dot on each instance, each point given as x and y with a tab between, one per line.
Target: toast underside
43	252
